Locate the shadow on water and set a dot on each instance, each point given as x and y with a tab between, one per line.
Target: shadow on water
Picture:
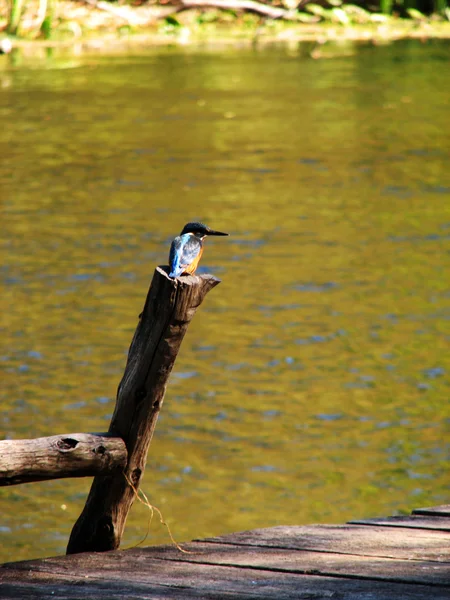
313	384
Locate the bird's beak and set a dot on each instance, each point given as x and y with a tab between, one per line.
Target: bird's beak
212	232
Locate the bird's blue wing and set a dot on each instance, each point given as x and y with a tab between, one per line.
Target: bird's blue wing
183	251
174	257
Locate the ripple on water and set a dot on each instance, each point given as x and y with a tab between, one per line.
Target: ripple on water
315	287
184	375
265	469
329	416
434	372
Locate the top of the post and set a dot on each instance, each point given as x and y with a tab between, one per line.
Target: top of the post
206	280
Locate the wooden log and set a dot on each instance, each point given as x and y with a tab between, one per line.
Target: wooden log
161	12
168	310
59	456
242	5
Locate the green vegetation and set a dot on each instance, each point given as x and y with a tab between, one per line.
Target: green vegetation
65	19
40	22
47	22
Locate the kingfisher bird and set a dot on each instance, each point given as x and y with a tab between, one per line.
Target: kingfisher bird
187	248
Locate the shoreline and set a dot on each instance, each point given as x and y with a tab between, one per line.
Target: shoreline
85	28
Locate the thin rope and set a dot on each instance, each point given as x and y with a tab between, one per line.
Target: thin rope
152	509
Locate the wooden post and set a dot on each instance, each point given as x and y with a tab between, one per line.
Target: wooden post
67	455
168	310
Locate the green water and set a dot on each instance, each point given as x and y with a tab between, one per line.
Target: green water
313	383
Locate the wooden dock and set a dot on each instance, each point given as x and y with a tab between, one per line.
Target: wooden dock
393	558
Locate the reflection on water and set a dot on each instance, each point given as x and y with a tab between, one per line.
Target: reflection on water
313	384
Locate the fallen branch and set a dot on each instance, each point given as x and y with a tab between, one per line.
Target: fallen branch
59	456
131	18
118	11
241	5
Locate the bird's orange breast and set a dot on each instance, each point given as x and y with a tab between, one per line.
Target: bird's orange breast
194	264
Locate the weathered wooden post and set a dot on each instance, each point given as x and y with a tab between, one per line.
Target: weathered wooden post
168	310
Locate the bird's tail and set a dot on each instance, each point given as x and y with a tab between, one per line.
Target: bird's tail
176	272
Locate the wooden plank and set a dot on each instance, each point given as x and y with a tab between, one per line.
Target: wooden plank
349	539
135	574
304	562
410	521
434	511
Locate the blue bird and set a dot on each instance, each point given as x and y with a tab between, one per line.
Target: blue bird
187	248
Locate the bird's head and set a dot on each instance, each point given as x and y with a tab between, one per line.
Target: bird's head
200	230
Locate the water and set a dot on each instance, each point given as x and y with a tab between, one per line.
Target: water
313	383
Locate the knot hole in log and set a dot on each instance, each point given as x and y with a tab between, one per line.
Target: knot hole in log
105	527
136	477
66	444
